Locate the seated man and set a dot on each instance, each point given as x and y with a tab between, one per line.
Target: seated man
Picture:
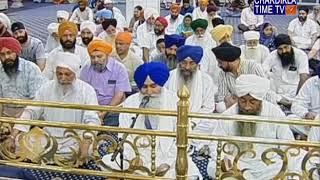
222	33
252	50
250	21
53	38
250	90
108	77
150	78
20	79
174	19
82	13
287	68
302	30
62	16
172	43
87	33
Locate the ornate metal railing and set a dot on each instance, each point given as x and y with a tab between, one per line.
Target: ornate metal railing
42	152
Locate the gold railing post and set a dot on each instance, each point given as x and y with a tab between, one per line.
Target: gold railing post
182	134
218	162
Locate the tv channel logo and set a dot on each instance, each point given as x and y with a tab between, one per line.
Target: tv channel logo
275	7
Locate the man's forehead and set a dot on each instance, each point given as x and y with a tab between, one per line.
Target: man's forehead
86	30
5	49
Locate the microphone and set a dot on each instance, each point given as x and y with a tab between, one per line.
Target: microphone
144	101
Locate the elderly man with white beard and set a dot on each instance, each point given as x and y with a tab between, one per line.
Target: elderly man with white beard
252	50
150	78
250	90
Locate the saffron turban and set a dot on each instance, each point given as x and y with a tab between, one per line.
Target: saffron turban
5	20
99	45
251	35
158	72
163	21
88	25
188	51
109	22
282	39
53	28
221	31
202	23
70	26
125	37
10	43
104	13
206	2
227	52
63	14
174	39
68	60
175	7
83	2
251	84
148	12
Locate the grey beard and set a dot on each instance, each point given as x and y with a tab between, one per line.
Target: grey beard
65	88
251	53
246	129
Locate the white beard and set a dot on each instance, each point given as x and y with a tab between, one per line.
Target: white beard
253	54
188	83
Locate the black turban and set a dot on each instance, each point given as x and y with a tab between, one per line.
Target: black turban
108	22
227	52
282	39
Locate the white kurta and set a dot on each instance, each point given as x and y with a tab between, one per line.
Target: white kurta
257	169
248	18
302	34
173	24
205	42
49	70
165	148
209	65
80	16
51	44
80	93
142	30
258	54
284	81
198	14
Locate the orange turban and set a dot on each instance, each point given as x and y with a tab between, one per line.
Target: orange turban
125	37
175	7
99	45
67	26
204	2
83	2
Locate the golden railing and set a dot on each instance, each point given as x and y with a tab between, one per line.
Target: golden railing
31	156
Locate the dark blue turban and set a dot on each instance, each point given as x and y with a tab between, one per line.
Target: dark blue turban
193	52
174	39
157	71
318	70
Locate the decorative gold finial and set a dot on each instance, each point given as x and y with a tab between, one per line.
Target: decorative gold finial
183	93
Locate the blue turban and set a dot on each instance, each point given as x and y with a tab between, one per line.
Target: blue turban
174	39
193	52
157	71
318	70
104	13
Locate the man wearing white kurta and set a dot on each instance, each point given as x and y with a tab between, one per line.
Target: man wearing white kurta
252	50
201	11
87	33
250	21
174	19
82	13
150	15
67	32
65	88
251	90
287	68
52	39
150	77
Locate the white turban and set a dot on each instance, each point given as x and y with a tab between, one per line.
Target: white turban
148	12
5	20
53	28
88	25
68	60
63	14
253	85
251	35
108	2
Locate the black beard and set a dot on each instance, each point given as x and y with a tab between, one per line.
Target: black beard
174	17
22	39
82	9
86	40
158	32
249	113
302	19
68	46
172	60
287	58
11	69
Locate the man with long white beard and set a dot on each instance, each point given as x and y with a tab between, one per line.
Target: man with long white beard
87	31
150	78
287	68
150	16
250	90
67	32
252	50
199	83
174	19
302	30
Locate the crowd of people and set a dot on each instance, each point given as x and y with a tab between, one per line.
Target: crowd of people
95	56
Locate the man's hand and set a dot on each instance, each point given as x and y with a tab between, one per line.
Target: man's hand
102	115
310	116
285	102
230	100
84	149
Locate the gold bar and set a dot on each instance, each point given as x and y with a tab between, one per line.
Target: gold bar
182	134
218	162
153	155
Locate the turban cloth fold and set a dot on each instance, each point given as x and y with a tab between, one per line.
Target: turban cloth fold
53	28
163	21
4	19
104	13
88	25
10	43
227	52
282	39
188	51
156	71
17	26
63	14
221	31
251	84
174	39
125	37
68	60
99	45
251	35
70	26
204	2
202	23
109	22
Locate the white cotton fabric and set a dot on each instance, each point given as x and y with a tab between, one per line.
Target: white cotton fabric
251	35
63	14
53	28
68	60
5	20
253	85
148	12
88	25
